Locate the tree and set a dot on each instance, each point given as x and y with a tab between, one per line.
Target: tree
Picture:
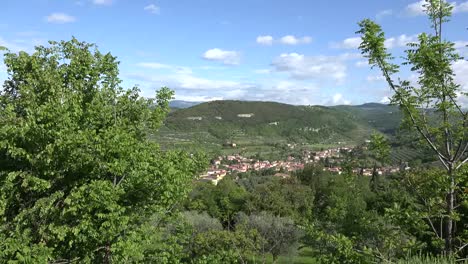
380	148
281	198
78	176
222	201
430	107
279	234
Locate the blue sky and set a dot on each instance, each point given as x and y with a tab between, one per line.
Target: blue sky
295	51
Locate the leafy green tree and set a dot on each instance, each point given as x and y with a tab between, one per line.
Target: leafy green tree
202	222
346	226
281	198
78	177
422	212
279	234
222	201
430	107
380	148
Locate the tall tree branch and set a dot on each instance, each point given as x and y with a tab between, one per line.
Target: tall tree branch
441	157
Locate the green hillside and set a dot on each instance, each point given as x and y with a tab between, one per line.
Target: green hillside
261	123
384	118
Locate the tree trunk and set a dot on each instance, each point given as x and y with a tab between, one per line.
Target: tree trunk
275	258
107	254
450	200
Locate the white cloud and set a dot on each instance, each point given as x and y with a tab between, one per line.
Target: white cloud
400	41
262	71
380	15
161	66
462	48
362	64
197	98
338	99
460	68
3	68
211	68
187	81
191	87
393	42
418	9
268	40
31	33
385	100
60	18
350	56
290	92
14	47
375	78
460	8
292	40
154	65
349	43
225	56
265	40
289	86
102	2
460	44
304	67
183	70
152	8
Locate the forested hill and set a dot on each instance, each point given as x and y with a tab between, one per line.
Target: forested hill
222	119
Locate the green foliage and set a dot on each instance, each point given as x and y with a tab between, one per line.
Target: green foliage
208	242
201	222
435	94
349	224
281	198
278	235
276	122
380	147
78	176
222	201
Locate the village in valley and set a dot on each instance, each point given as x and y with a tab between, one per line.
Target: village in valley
236	163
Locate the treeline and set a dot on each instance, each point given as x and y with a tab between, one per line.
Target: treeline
344	218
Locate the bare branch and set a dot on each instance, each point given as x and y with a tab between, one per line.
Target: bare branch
461	163
460	154
433	227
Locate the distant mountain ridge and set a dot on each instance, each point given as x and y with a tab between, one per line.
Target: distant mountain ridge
187	104
227	119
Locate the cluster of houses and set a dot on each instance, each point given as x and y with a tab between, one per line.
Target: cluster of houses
367	171
223	165
309	156
337	153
